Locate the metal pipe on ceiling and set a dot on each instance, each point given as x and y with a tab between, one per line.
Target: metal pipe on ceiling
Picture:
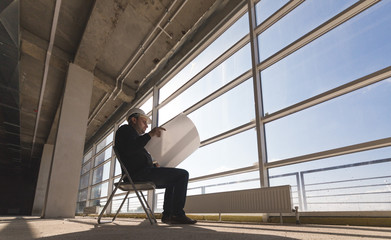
126	70
98	107
144	48
46	70
152	42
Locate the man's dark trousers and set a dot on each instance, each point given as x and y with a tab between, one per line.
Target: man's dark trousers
174	180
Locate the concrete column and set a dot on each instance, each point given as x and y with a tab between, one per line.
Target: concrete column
64	176
42	183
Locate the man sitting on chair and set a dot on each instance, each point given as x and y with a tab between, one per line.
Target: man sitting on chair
130	141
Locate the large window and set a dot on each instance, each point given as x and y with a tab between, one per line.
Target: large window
324	89
348	55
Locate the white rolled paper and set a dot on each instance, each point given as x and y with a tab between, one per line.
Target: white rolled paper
176	143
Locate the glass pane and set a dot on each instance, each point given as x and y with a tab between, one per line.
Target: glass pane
86	167
300	21
131	205
266	8
231	68
123	123
355	49
80	207
119	191
230	110
98	202
223	184
232	35
159	198
105	142
234	152
103	156
117	168
84	181
101	173
147	106
99	190
352	182
87	156
82	195
361	116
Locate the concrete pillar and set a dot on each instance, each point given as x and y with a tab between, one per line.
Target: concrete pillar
42	183
64	176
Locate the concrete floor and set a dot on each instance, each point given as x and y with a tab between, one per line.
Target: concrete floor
87	228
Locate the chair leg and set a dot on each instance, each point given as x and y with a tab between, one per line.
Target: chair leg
151	215
154	204
106	205
120	207
150	211
146	207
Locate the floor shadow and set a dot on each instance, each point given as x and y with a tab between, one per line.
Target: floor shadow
144	230
16	228
128	228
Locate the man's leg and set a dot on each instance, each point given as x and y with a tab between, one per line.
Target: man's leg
175	181
168	202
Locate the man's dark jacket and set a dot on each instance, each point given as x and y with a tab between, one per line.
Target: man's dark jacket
131	149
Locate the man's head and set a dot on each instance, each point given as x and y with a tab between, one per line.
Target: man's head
138	120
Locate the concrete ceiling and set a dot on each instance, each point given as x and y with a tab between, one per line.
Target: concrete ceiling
128	45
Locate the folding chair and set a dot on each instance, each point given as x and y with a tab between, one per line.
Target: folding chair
136	187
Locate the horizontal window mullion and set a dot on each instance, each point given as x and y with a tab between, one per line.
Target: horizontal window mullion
102	163
99	183
229	133
225	174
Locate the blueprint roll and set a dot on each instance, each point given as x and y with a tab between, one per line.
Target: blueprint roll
179	141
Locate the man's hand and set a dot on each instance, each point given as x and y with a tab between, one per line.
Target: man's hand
157	131
156	164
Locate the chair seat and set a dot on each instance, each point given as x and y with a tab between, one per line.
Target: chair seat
139	185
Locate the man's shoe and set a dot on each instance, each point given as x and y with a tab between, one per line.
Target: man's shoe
183	219
166	218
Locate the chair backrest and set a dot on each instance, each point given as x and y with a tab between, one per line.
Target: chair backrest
124	170
144	185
